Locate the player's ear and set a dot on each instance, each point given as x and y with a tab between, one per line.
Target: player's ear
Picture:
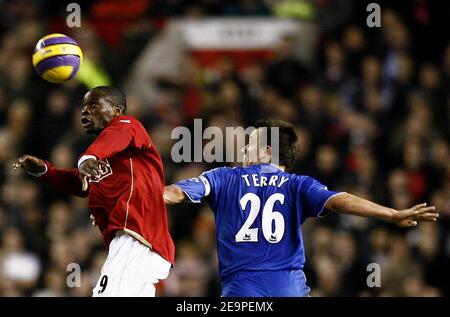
118	110
266	154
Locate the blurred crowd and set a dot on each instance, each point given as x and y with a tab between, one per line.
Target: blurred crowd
372	115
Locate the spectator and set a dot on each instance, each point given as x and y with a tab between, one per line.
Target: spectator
371	113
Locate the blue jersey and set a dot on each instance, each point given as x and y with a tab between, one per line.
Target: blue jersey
258	213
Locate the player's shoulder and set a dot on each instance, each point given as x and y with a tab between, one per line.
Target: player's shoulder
126	121
129	123
300	179
220	170
218	175
238	170
299	176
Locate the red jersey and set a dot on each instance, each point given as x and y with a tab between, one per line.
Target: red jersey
128	195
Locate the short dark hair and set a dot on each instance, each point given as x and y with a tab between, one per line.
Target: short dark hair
113	94
287	139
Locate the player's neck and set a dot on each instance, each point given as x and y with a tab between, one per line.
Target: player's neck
280	167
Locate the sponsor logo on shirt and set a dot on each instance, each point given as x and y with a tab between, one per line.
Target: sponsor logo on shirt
104	172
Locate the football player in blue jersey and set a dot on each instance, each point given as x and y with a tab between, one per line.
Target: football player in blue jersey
259	209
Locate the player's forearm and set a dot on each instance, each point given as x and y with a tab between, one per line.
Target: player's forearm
173	195
353	205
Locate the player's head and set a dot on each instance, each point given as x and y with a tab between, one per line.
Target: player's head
100	105
259	148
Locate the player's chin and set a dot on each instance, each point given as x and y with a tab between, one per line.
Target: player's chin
90	130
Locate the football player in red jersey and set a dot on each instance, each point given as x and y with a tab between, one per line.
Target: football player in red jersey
122	174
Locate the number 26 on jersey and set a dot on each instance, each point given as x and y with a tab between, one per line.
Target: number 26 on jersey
273	234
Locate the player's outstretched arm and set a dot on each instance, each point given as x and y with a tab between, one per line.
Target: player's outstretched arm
350	204
64	180
31	164
173	195
191	189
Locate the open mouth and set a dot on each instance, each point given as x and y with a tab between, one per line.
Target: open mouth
85	122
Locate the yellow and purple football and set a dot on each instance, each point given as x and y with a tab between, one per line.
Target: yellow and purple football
57	58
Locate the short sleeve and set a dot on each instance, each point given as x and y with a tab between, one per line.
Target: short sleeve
313	197
199	187
215	178
195	188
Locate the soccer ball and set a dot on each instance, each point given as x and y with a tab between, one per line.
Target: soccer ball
57	58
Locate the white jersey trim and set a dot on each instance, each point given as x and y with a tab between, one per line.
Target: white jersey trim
320	214
137	236
190	198
39	174
206	184
84	158
131	193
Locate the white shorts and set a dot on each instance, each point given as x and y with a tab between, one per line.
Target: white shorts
131	269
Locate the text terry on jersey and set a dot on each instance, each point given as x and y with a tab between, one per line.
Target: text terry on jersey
259	181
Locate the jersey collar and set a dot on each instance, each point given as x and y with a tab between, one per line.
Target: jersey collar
270	167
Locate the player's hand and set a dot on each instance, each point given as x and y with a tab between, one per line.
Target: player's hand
30	164
90	168
410	217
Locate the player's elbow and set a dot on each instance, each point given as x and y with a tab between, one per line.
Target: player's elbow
337	203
